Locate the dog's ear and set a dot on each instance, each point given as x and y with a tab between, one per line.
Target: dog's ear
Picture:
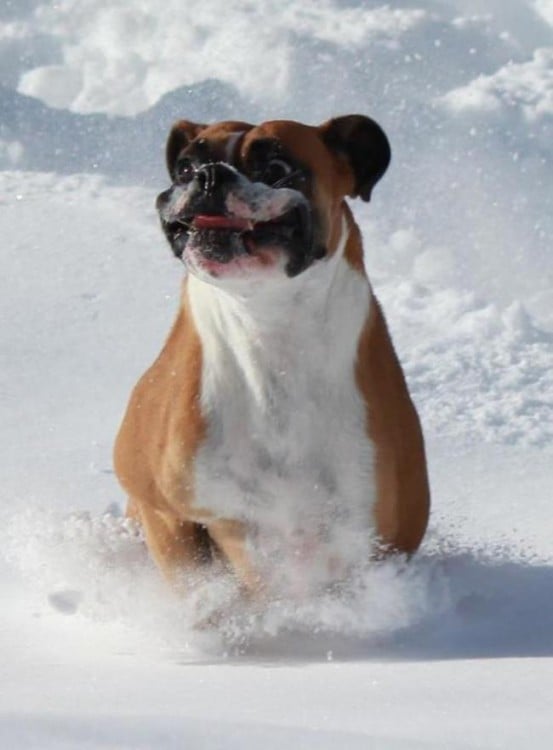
181	134
364	144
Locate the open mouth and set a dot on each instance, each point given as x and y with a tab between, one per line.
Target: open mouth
223	239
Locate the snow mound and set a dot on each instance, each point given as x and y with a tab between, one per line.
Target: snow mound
545	9
527	85
173	47
477	372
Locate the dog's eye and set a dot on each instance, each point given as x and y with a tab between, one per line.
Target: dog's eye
184	171
276	171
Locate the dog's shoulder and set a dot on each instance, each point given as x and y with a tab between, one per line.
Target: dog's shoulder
165	401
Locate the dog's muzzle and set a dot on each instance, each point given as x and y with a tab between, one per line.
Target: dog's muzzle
223	215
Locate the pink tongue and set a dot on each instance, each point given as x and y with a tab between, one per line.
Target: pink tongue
222	222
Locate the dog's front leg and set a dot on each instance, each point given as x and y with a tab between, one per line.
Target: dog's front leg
231	538
175	545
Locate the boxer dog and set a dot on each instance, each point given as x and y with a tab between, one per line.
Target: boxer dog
275	431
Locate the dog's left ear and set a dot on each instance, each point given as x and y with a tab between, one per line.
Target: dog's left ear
180	136
364	144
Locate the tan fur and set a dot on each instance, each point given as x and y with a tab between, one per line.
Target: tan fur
154	461
392	423
403	504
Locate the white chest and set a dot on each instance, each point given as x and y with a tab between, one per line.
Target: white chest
287	450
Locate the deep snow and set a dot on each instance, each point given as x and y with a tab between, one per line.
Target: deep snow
452	650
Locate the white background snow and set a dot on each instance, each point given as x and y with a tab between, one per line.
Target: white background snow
453	650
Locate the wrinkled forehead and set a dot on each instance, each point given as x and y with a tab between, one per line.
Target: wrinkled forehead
219	142
235	142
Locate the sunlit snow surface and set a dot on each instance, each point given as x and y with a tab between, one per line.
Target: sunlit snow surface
452	649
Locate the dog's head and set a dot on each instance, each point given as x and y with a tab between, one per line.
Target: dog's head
248	200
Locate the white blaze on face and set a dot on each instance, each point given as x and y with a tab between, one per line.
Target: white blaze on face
259	202
232	142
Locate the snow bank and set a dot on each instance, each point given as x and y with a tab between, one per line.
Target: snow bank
528	86
253	48
545	9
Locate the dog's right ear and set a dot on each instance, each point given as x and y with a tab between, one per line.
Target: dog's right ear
180	136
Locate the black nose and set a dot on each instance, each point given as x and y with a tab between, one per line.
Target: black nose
213	176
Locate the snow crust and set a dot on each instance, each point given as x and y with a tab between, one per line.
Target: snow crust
452	649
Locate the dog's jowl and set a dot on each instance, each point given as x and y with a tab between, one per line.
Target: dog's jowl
274	433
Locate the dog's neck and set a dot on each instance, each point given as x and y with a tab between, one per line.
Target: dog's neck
268	303
311	322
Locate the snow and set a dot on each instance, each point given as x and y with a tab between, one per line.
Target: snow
172	47
528	86
545	9
453	649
